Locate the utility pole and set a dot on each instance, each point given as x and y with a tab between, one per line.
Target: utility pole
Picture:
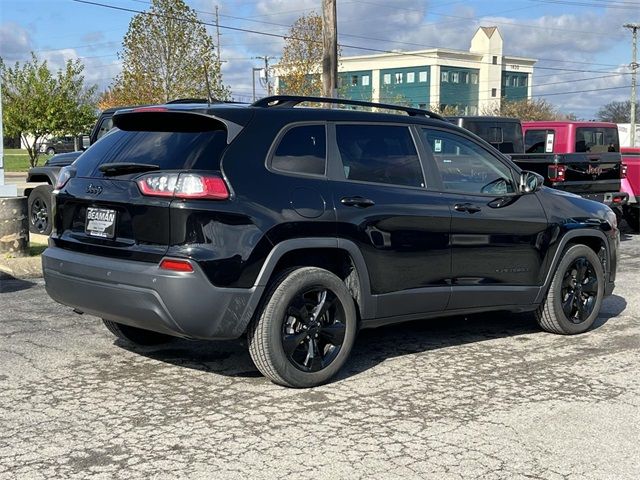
267	79
634	67
330	49
253	80
218	35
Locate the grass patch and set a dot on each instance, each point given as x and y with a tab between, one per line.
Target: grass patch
17	160
36	249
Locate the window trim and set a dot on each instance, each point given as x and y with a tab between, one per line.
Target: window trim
512	167
341	177
278	138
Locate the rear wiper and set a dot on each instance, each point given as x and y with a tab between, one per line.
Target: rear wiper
122	168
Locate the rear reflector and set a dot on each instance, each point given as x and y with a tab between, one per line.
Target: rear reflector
556	173
184	185
176	265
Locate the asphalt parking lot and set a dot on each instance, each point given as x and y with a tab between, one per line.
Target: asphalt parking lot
483	397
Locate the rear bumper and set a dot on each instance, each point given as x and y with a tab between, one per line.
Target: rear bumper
611	199
142	295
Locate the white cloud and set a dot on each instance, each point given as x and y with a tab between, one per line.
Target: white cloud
15	42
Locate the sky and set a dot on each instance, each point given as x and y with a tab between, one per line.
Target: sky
582	49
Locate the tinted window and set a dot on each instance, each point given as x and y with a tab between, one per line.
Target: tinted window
302	150
535	141
465	166
168	150
505	136
597	139
105	126
379	154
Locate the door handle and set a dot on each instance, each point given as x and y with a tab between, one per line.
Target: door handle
466	207
359	202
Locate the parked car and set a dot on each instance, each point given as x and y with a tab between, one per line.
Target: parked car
503	133
39	197
58	145
631	185
296	227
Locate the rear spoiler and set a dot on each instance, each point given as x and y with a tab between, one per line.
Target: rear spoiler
162	119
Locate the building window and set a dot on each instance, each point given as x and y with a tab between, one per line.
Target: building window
354	80
474	78
455	77
445	77
422	76
494	60
387	79
494	92
398	77
514	81
505	80
523	81
411	77
464	77
365	80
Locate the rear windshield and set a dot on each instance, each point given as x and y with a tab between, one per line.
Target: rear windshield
168	150
597	139
505	136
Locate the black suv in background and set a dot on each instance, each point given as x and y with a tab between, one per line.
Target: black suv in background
295	227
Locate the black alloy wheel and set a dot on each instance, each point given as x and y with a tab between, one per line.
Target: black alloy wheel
305	328
39	215
39	204
314	329
575	296
579	290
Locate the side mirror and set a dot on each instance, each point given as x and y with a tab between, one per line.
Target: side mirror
530	182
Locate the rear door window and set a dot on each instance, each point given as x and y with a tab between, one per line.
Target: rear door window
539	141
302	149
167	150
379	154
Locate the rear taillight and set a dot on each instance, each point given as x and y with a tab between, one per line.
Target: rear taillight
64	176
623	171
556	173
184	185
176	265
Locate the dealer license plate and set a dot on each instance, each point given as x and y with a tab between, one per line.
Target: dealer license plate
101	222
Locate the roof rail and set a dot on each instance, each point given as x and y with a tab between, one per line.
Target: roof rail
290	101
199	100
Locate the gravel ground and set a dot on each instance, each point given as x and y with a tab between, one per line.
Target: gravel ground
482	397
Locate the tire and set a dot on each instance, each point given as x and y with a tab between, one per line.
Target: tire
50	151
304	331
40	210
137	336
578	285
632	216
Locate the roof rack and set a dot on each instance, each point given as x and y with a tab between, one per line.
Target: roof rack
290	101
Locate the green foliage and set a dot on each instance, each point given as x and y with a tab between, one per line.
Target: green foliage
525	110
617	112
167	54
37	103
300	69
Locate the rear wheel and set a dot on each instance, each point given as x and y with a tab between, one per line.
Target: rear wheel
137	336
304	333
40	210
632	216
574	299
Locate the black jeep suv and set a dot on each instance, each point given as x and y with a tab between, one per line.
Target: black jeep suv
295	227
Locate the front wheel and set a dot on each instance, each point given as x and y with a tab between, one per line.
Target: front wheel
51	151
305	330
575	296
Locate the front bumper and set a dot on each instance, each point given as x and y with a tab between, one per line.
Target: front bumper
142	295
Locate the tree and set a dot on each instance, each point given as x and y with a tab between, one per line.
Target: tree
617	112
37	103
525	110
301	66
167	54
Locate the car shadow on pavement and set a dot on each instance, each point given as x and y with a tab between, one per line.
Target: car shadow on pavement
231	358
9	284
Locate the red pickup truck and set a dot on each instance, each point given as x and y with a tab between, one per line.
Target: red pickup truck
631	185
578	157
